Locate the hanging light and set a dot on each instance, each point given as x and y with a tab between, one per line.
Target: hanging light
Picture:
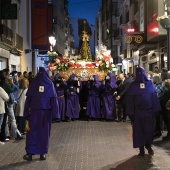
52	41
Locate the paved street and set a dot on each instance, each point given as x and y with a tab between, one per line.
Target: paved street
83	145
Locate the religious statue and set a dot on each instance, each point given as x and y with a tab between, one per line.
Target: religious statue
85	35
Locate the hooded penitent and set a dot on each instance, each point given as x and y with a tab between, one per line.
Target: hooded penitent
141	84
57	76
142	103
93	102
42	85
41	107
108	98
72	98
60	87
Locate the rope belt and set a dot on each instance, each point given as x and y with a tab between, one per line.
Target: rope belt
61	96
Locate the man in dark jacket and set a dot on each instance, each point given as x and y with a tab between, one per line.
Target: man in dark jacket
123	86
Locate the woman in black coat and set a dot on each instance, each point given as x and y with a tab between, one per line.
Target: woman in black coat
163	100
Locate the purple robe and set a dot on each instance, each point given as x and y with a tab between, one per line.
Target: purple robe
60	87
93	102
41	107
142	104
108	98
72	97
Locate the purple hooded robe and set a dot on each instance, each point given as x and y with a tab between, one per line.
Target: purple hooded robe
93	102
60	87
41	107
142	103
108	98
72	97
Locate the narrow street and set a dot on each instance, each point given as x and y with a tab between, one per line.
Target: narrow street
83	145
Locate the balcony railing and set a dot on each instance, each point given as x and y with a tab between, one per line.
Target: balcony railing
18	42
6	35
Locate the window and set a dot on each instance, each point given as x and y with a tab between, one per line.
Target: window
13	67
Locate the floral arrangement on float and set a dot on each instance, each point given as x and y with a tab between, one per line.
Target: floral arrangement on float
52	53
62	64
104	60
59	63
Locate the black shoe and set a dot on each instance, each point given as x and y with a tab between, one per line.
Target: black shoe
157	134
19	138
142	152
124	120
166	138
27	157
42	157
89	118
119	119
150	150
69	119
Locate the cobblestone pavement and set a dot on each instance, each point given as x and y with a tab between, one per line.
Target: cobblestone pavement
83	145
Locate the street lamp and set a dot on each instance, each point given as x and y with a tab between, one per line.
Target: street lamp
52	41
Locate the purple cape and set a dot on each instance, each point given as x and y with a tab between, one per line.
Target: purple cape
135	87
57	76
142	103
60	88
72	99
41	80
41	107
93	102
109	107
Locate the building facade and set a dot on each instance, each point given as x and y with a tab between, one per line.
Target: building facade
15	36
130	29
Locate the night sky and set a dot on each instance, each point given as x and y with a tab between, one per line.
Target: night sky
87	9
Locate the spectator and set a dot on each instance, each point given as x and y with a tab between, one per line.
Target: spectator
168	120
3	97
163	101
16	86
156	70
157	81
10	87
123	86
19	111
20	76
25	74
164	73
30	77
142	104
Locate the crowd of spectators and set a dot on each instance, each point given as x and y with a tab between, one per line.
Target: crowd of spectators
12	97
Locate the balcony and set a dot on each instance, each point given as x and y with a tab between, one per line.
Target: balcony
6	36
18	42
